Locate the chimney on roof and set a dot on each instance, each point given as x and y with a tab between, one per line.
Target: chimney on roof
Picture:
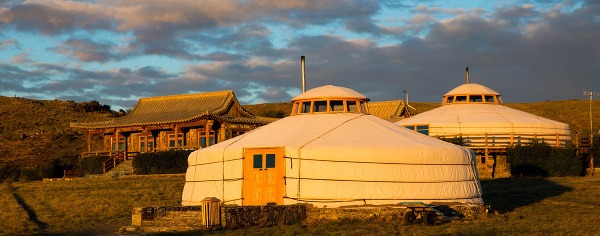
405	97
467	75
303	80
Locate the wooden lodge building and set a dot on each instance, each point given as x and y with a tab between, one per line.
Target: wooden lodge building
186	121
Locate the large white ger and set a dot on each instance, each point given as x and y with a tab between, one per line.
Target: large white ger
475	113
331	152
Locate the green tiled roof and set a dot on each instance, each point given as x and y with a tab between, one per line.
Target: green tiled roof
178	109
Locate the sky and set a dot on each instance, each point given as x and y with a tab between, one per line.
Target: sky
115	51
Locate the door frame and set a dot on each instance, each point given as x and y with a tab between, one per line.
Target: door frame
247	168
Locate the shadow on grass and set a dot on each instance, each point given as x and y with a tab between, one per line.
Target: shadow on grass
30	212
506	194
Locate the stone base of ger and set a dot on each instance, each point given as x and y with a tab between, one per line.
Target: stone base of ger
193	218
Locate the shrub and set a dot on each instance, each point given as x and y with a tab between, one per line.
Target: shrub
165	162
455	140
540	159
91	165
10	172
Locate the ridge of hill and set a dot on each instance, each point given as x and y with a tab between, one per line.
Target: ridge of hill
35	132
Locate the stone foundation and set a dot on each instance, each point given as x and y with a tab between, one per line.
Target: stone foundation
390	213
262	216
189	218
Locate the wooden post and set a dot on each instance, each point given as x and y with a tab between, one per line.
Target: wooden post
209	124
222	133
116	140
176	129
511	138
211	211
89	140
557	140
486	146
126	153
155	135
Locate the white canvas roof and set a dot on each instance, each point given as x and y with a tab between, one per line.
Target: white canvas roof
329	91
340	159
499	124
468	119
471	89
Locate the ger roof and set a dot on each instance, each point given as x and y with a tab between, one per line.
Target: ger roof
474	89
178	108
330	91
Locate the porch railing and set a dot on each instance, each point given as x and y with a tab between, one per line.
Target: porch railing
500	141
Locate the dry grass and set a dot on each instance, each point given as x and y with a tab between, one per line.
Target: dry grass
85	206
553	206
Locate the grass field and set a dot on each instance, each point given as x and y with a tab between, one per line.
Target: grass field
532	206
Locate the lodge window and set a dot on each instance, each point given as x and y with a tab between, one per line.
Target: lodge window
146	145
336	105
117	146
475	98
207	141
460	99
171	139
320	106
472	99
423	129
351	106
363	107
305	107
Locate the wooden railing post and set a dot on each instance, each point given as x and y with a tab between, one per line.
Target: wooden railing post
511	138
486	146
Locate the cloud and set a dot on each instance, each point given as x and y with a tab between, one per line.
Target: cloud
86	50
526	52
21	58
54	17
9	43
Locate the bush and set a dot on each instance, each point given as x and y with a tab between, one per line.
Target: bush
455	140
539	159
91	165
166	162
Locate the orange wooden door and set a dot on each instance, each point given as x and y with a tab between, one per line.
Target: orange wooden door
263	176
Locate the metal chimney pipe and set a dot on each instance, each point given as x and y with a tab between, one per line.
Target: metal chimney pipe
303	79
405	97
467	75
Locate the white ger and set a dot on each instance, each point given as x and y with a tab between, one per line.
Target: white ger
331	152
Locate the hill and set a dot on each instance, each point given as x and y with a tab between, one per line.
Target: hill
35	132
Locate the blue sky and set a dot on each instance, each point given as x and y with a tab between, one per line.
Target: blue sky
116	51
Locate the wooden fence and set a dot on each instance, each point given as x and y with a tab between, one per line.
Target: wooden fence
498	142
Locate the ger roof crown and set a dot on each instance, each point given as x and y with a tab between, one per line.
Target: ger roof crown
329	92
472	89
